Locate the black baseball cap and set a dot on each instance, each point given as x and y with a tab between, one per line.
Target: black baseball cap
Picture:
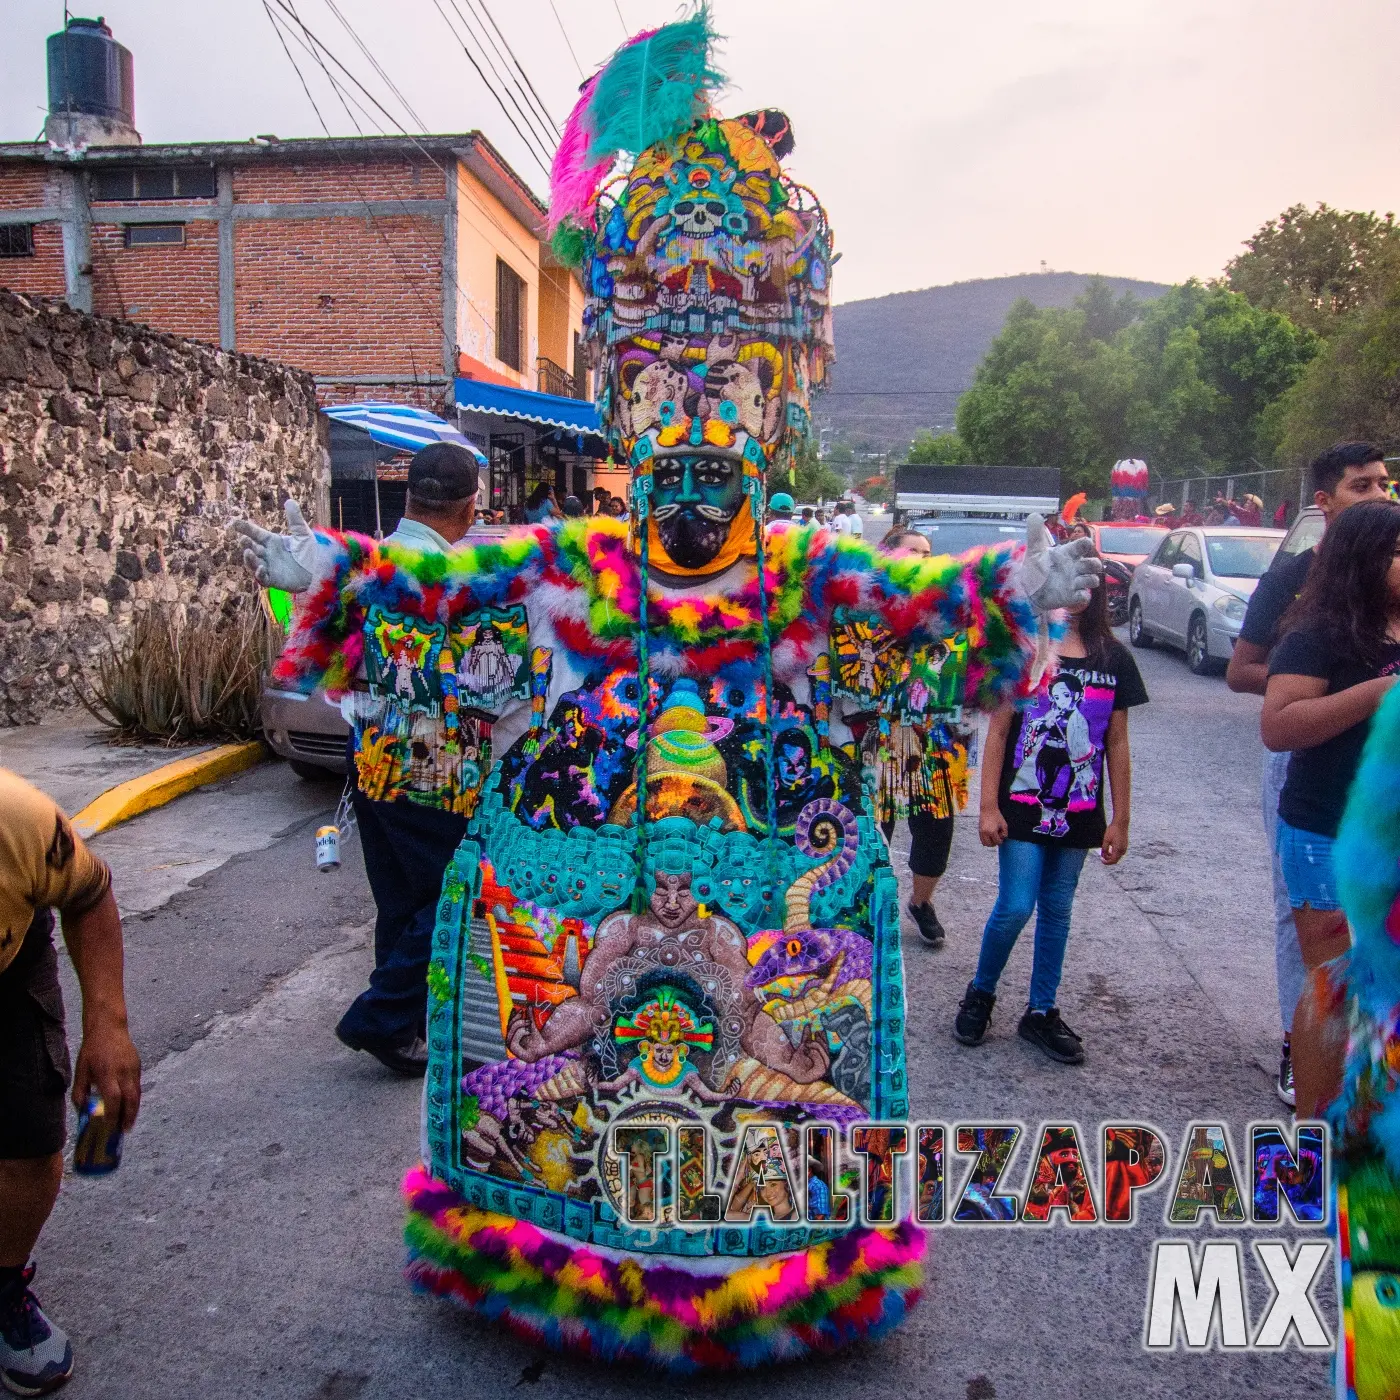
441	474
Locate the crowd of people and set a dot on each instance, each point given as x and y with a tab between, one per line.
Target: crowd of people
1320	642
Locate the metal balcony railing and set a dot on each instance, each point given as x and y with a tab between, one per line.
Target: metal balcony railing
554	379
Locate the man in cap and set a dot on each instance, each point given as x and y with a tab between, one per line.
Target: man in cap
781	506
407	833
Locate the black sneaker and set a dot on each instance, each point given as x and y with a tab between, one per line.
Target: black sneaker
974	1012
35	1356
408	1058
1284	1087
1048	1030
930	930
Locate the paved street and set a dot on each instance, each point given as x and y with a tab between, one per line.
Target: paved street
250	1243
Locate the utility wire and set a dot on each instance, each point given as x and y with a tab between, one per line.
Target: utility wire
545	139
567	41
311	43
626	33
305	87
374	63
541	160
289	10
525	77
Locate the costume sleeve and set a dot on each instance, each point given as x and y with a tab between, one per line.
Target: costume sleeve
326	647
43	863
975	594
325	643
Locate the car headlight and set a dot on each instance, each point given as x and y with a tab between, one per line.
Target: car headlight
1232	606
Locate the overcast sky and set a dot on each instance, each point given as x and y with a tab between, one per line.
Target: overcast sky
1142	138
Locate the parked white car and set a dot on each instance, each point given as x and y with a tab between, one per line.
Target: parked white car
1192	592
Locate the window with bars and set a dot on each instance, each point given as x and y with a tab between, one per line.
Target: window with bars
154	182
510	317
16	240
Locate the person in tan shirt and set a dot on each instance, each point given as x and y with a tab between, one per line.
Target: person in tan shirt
45	867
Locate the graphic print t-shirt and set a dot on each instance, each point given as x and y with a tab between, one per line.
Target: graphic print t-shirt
1052	777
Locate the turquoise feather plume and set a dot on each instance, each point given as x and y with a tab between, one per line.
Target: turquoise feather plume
654	88
1367	864
1367	855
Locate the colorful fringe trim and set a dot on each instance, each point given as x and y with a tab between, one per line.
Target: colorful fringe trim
557	1293
586	577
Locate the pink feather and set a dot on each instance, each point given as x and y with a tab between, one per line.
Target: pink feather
573	183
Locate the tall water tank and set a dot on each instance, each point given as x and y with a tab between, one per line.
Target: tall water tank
92	92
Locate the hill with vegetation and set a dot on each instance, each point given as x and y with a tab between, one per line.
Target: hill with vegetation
893	351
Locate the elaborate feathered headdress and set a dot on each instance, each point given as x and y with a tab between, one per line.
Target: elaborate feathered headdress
707	272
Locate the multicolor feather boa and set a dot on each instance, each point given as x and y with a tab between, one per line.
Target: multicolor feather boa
560	1294
587	578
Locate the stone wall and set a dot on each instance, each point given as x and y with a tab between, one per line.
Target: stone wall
124	455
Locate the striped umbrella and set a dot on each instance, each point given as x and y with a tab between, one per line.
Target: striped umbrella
398	425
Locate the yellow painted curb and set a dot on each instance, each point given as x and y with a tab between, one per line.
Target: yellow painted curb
165	784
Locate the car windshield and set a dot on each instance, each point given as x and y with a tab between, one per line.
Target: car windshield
1241	556
958	536
1128	539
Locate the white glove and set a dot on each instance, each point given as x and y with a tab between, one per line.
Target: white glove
1057	576
292	561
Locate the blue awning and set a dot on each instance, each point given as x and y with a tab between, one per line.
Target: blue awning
548	410
398	425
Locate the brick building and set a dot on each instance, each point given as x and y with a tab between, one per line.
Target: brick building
410	268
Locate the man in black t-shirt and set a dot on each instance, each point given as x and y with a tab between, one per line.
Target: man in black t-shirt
1344	475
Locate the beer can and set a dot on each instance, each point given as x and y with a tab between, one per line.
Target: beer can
98	1148
328	848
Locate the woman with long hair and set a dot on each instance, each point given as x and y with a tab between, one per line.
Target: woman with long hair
540	504
1338	655
1043	810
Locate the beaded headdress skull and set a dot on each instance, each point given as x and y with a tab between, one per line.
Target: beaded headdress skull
707	272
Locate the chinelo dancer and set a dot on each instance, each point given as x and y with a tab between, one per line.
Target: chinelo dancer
672	919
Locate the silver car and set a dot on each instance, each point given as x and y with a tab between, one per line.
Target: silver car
1192	592
306	730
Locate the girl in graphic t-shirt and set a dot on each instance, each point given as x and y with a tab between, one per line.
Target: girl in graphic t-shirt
1338	655
1043	809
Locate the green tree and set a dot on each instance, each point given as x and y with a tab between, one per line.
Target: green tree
1318	266
942	450
810	479
1050	392
1351	390
1187	382
1207	366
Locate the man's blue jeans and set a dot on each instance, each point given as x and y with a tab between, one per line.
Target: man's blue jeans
1032	879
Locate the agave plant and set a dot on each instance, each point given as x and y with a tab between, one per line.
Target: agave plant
178	680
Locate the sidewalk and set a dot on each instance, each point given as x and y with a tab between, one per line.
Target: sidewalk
69	757
161	852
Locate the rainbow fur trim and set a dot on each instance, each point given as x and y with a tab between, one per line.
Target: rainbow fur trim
555	1292
584	575
1367	858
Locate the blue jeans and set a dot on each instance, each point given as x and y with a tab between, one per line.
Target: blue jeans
1031	877
1288	956
1308	869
